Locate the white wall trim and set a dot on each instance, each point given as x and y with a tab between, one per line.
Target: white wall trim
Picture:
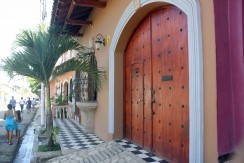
192	10
65	81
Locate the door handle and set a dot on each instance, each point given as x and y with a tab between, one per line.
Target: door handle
152	102
153	97
140	100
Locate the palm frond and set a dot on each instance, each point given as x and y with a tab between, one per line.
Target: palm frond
36	52
34	85
81	64
17	64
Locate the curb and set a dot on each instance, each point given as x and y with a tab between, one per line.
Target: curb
25	128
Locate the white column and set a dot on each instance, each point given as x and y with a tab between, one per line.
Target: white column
42	104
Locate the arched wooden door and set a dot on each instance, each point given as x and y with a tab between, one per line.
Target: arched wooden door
157	85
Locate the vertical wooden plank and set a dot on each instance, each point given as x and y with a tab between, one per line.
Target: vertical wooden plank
183	48
167	62
179	105
146	53
137	105
159	57
139	49
168	87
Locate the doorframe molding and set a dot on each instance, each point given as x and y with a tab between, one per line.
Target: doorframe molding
196	117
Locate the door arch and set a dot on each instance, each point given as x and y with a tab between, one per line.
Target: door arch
192	9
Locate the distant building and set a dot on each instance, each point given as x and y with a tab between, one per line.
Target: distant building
17	87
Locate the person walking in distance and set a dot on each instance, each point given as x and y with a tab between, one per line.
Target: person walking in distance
19	119
21	103
33	102
28	105
9	123
13	102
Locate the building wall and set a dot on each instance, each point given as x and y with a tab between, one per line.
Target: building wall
209	76
104	22
52	88
61	79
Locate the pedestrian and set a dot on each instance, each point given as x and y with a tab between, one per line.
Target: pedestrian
21	103
18	121
9	123
13	102
28	105
33	102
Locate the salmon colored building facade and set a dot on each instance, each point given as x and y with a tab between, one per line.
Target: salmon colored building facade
170	85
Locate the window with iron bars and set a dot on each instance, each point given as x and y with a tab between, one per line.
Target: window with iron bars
83	86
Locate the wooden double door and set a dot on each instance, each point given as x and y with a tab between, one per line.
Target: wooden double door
157	85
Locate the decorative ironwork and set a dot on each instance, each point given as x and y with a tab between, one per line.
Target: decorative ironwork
80	87
83	86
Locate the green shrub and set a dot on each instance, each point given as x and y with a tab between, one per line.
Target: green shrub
45	148
43	132
55	132
60	100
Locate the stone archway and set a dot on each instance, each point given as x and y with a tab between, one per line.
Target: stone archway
121	36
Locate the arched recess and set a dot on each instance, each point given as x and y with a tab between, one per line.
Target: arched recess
57	89
61	89
70	88
127	23
66	89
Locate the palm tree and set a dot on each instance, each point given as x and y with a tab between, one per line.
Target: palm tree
34	85
35	54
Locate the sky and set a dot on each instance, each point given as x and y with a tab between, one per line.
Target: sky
14	16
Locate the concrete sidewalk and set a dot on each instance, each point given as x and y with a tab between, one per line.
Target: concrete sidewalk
8	152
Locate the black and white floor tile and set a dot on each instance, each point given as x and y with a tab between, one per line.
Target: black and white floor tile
73	136
143	154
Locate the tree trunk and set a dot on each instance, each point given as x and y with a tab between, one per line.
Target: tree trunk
43	105
49	116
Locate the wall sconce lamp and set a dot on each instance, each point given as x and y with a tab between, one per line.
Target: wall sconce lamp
99	41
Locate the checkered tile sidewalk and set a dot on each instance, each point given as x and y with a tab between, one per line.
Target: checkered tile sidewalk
145	155
73	136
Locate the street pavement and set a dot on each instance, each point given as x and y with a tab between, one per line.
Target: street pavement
8	152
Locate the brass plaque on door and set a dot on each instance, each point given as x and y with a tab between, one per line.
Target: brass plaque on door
167	78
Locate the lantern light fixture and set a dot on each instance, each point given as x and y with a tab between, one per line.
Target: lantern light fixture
100	40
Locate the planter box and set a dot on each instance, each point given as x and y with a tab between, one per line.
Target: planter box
88	108
42	137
